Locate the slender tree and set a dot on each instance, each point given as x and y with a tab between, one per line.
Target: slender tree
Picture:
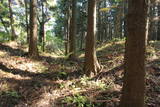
73	29
13	34
26	19
134	81
91	63
33	50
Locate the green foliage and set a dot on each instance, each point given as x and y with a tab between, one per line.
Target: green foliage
62	74
78	100
22	39
54	44
12	94
4	37
12	97
118	39
118	0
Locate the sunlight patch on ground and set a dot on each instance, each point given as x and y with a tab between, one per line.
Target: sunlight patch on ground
12	44
52	55
2	53
104	46
108	45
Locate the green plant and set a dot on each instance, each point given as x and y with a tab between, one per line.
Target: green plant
78	100
54	44
10	97
4	37
62	74
12	94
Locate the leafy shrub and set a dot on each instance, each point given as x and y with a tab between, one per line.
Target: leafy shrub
78	100
4	37
54	44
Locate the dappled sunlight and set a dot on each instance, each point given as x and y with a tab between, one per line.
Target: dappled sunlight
60	81
108	48
79	53
110	44
2	53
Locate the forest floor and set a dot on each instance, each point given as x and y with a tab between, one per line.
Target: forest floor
57	82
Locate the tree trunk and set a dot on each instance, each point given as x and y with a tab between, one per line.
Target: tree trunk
13	34
158	29
91	63
33	50
73	29
134	81
27	25
42	35
147	24
68	29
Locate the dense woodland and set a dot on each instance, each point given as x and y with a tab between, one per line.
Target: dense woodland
79	53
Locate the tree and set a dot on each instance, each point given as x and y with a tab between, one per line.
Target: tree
13	34
33	50
91	62
134	76
26	19
73	29
43	18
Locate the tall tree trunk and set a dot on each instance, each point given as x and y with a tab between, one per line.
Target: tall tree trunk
27	25
13	34
67	29
147	24
33	50
151	25
158	29
134	81
42	35
99	22
91	63
42	29
125	8
73	30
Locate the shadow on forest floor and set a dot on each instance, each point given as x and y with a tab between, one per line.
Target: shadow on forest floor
12	51
27	88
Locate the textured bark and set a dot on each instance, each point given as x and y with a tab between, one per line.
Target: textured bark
91	64
99	22
134	81
67	29
13	34
33	50
27	25
73	29
42	35
151	25
158	29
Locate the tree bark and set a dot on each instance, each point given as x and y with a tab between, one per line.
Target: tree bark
158	29
27	25
33	50
13	34
73	29
91	63
134	81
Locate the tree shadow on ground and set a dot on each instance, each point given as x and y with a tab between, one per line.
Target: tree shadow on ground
24	91
12	51
89	98
19	52
46	75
